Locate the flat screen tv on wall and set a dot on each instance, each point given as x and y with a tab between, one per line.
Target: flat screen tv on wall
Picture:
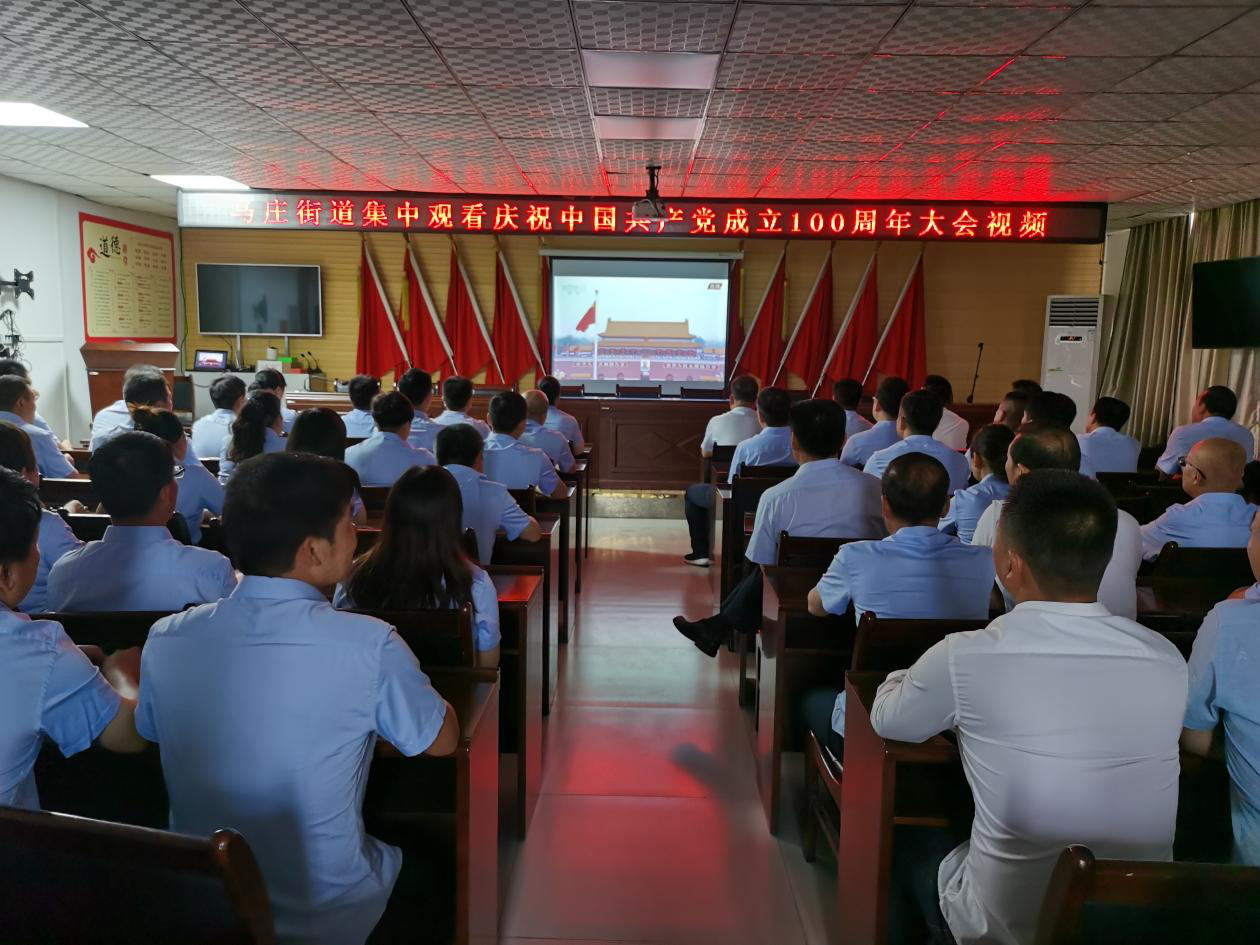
1225	304
259	300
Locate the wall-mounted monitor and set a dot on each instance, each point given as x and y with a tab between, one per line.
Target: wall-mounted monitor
238	299
1225	304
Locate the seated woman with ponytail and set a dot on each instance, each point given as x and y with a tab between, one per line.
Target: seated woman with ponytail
321	431
198	491
419	563
255	431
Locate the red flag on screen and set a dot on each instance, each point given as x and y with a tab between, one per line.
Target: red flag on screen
380	348
513	338
426	341
763	347
808	345
587	320
464	326
903	351
856	345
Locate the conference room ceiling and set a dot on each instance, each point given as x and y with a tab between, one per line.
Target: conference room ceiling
1151	105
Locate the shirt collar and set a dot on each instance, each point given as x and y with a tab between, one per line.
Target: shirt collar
420	419
448	412
136	534
463	472
885	424
387	437
1253	593
360	411
816	467
532	425
776	431
500	439
1213	418
741	409
918	439
1217	498
921	534
276	588
9	417
224	413
1094	609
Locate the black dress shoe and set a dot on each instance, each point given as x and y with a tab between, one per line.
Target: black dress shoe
705	634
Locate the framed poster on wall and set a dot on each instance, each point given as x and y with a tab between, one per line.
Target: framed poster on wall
128	281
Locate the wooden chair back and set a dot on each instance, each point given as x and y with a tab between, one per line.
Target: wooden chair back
468	541
746	492
527	499
1149	455
71	879
374	498
1138	902
1124	483
57	492
354	441
572	390
110	630
1160	496
366	539
777	473
638	390
437	637
885	644
702	393
1226	566
87	526
720	454
80	456
801	552
212	466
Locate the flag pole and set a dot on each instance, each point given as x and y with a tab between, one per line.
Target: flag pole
896	308
389	309
428	299
809	300
757	312
848	317
520	310
595	348
481	322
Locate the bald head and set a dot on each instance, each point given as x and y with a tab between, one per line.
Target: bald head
1042	445
536	404
1214	465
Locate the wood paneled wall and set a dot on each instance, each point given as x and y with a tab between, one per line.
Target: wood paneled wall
982	292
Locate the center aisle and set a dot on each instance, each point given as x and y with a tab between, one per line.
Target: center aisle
649	828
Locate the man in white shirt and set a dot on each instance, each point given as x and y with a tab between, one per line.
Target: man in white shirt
417	386
1216	515
1102	444
862	446
457	394
848	394
385	455
919	415
1067	720
1212	416
362	389
143	386
210	432
557	419
1052	446
726	429
953	429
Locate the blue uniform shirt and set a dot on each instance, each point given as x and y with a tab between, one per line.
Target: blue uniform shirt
1225	682
566	424
383	457
273	442
1108	450
954	462
862	446
287	416
551	442
771	447
487	507
51	461
211	432
518	466
43	424
822	499
55	539
451	417
854	423
267	706
967	505
47	688
199	491
109	421
424	432
1213	520
137	567
359	423
1183	438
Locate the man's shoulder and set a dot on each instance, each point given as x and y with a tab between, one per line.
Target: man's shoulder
192	556
44	636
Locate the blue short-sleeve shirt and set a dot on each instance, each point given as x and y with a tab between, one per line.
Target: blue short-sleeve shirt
273	442
199	491
109	421
1183	438
449	418
967	505
860	447
424	431
518	466
55	539
383	457
488	506
566	424
51	461
550	442
1108	450
1212	520
954	462
771	447
359	423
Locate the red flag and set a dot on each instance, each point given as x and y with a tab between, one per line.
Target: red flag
513	338
544	312
426	341
808	345
587	320
464	326
380	344
903	349
763	347
734	327
856	346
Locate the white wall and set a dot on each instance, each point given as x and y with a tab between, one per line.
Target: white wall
39	230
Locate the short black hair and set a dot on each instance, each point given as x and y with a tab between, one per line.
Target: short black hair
20	512
744	389
1050	406
940	386
146	389
14	366
318	430
1064	526
226	391
416	385
549	386
847	393
459	444
923	411
161	423
889	393
991	444
1025	384
1111	412
818	426
1019	398
362	388
457	392
269	379
916	486
16	451
391	411
507	411
774	406
1220	401
129	472
13	387
275	501
1043	445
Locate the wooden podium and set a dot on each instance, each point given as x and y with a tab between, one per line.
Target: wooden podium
107	362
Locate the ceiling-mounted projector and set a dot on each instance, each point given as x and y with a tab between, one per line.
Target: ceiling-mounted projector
652	207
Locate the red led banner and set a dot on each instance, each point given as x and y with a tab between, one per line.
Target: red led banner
904	220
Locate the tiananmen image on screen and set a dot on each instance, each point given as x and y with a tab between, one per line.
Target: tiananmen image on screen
651	321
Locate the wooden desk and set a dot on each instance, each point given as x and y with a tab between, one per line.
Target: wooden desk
561	508
524	669
795	652
581	511
545	554
722	556
586	460
886	783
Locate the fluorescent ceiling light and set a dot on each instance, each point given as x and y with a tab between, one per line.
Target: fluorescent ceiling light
650	70
622	126
30	115
200	182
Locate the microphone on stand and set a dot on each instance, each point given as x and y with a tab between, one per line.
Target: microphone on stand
979	354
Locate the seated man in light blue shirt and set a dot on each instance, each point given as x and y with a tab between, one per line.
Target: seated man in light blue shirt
858	450
1212	416
1216	515
267	706
17	406
848	394
385	455
200	491
210	432
137	565
457	394
1103	447
917	418
557	419
273	382
988	467
14	366
417	386
551	442
488	506
1052	406
143	386
773	445
507	459
822	499
362	389
48	688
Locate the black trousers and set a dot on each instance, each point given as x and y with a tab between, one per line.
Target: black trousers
697	503
420	907
914	905
742	607
816	709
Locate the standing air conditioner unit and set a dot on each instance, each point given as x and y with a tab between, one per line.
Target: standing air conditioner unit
1069	356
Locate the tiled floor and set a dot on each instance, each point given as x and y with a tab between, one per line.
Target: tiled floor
649	829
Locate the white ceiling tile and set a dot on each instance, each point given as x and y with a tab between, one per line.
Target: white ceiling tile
1239	37
926	73
43	18
519	126
790	29
1237	106
437	127
805	71
98	57
234	62
521	67
532	152
418	64
335	23
432	100
1138	106
861	103
1129	31
765	103
532	102
992	106
224	21
1194	74
640	151
657	27
530	24
1059	74
962	31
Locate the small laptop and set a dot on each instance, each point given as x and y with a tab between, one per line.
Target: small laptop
204	360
